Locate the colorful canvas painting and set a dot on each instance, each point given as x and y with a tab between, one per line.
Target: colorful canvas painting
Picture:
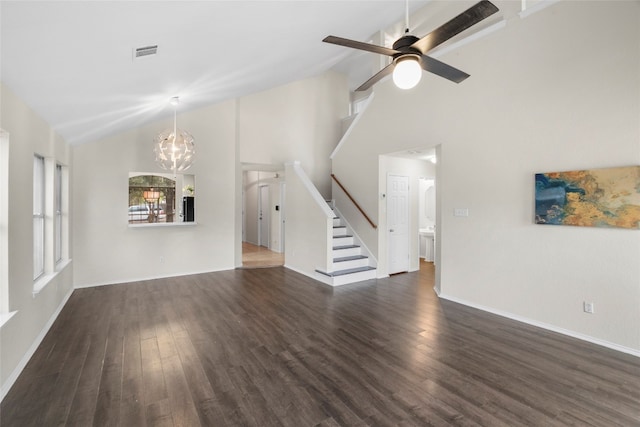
590	198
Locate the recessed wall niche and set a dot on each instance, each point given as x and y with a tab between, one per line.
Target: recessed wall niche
158	199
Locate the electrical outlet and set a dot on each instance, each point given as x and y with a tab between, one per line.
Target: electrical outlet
588	307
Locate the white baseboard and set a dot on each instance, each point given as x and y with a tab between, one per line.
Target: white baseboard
547	326
34	346
304	273
142	279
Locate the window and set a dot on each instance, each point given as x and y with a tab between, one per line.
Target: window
153	198
38	216
57	238
4	224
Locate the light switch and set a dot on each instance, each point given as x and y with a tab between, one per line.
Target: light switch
461	212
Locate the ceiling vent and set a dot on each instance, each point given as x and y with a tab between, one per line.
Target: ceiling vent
145	51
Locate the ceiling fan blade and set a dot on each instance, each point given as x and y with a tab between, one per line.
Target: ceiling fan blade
466	19
377	77
441	69
359	45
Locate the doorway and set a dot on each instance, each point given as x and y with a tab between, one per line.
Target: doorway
399	252
262	219
427	218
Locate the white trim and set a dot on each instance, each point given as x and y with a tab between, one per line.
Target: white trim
4	222
45	279
143	279
352	126
311	276
4	317
543	325
163	224
543	4
313	191
11	379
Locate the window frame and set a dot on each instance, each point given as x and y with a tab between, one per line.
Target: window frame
58	208
4	225
39	216
174	210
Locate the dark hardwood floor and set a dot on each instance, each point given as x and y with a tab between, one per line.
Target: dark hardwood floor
270	347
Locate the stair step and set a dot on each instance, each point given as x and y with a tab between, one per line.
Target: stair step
337	248
340	240
350	258
339	230
347	271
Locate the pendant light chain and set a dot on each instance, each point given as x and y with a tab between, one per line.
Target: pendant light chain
406	17
175	137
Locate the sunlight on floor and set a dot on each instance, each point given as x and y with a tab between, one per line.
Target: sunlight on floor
257	256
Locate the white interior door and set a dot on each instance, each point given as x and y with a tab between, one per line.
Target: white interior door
263	216
398	223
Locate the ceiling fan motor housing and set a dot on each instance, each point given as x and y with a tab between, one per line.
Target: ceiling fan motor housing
404	46
404	43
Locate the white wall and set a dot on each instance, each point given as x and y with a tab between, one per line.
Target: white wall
108	250
19	336
558	90
309	223
427	201
300	121
296	121
250	194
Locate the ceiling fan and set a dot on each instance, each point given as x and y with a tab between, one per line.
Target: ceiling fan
409	52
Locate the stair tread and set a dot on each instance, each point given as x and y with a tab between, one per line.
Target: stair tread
350	258
342	237
345	247
347	271
339	226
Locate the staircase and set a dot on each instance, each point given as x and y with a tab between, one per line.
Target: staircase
350	262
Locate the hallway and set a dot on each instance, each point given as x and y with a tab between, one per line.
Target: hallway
254	256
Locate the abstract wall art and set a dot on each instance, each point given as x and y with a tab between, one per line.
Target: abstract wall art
607	197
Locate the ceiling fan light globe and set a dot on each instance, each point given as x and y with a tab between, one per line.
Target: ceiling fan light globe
407	73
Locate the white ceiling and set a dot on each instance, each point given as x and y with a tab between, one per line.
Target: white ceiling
72	61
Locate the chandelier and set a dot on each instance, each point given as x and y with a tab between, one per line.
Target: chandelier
174	148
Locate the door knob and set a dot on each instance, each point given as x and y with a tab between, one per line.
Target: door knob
391	230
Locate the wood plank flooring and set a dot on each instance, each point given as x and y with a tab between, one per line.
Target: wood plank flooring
254	256
270	347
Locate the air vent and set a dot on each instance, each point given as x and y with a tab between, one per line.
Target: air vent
145	51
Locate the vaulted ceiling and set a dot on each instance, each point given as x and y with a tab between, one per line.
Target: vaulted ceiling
73	61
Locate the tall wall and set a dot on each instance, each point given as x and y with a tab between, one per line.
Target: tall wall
34	312
557	90
108	250
299	121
